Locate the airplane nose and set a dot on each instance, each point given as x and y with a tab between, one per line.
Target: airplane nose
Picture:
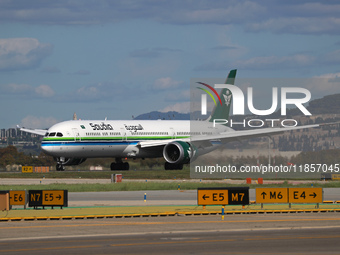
46	148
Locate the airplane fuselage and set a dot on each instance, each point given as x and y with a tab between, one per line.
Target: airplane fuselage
119	139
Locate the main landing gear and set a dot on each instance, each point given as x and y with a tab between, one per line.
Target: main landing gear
60	167
169	166
119	165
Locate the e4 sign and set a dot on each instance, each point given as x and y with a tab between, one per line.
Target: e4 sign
305	195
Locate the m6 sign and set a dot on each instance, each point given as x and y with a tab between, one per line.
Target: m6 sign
271	195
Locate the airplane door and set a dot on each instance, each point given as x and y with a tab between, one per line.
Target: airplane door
172	133
123	133
76	134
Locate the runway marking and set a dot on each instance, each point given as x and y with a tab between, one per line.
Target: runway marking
223	240
167	223
289	237
52	248
129	234
174	242
197	240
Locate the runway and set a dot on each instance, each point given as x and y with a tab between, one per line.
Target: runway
236	234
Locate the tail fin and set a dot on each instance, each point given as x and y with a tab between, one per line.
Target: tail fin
222	111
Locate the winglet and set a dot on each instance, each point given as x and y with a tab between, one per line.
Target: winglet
231	77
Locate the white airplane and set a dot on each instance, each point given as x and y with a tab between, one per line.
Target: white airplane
72	142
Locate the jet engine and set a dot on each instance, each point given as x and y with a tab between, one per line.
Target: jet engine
178	152
62	162
73	161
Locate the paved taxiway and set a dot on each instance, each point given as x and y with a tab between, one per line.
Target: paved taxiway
236	234
127	198
159	197
300	233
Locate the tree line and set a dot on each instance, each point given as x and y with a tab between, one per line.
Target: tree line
11	156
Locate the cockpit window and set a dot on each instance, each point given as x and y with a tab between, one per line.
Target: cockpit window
46	134
59	134
52	134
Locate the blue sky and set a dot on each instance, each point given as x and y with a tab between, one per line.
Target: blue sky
116	59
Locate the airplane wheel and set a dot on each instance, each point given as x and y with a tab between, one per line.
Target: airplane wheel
126	166
60	167
169	166
113	166
120	166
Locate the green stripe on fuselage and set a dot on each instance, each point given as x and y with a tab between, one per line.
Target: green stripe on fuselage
99	138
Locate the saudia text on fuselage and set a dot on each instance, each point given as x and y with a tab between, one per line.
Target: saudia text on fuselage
134	127
101	126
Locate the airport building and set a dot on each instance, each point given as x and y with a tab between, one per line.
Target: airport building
15	133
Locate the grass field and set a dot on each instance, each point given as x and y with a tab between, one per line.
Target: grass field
174	185
126	185
132	174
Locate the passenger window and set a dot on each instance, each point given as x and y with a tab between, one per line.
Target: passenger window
59	134
52	134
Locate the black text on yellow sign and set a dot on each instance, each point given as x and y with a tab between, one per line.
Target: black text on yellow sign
305	195
271	195
47	198
53	197
27	169
223	196
212	197
289	195
17	197
335	176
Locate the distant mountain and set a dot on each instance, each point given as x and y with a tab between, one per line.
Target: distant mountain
326	105
170	116
155	115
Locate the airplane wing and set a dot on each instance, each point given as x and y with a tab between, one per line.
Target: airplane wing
246	134
205	141
146	144
41	132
